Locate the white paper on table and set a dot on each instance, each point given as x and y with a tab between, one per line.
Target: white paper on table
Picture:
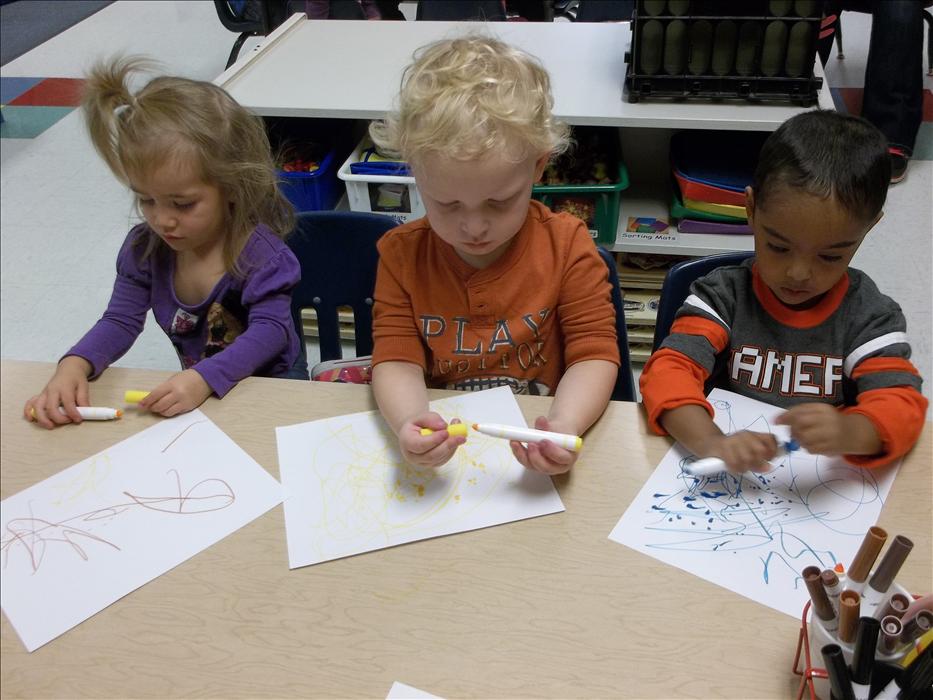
84	538
754	534
400	691
347	489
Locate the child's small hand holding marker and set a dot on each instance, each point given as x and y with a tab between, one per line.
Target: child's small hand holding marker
823	429
427	441
59	400
715	465
180	393
548	448
548	452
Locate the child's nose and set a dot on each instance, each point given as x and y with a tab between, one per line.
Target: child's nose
474	225
163	218
799	270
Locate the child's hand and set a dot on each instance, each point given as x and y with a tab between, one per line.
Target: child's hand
181	393
67	388
743	451
432	450
825	430
545	457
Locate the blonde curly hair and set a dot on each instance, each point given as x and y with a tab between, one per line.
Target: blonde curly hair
464	98
175	119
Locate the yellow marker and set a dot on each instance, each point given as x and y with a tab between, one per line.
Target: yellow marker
918	648
135	396
92	412
455	429
574	443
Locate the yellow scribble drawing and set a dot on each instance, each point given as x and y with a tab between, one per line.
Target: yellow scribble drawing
85	482
372	494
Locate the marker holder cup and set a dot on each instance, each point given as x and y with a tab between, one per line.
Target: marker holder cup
814	636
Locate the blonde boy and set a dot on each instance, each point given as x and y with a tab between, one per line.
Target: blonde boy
490	288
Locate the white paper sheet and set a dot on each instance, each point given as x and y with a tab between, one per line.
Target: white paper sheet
400	691
754	534
348	491
84	538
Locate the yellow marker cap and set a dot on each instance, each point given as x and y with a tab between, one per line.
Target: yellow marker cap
455	429
135	396
579	444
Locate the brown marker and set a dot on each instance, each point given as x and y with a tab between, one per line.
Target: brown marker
890	638
890	564
822	608
865	557
849	604
919	624
895	604
833	588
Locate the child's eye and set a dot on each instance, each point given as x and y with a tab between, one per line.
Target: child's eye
183	205
777	248
831	258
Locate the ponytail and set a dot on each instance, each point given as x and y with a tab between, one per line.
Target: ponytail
108	104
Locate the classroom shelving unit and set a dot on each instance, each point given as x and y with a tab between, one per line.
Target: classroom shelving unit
352	70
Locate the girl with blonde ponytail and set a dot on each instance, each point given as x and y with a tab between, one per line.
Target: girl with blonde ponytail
209	259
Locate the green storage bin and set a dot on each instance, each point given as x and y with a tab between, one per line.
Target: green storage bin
607	199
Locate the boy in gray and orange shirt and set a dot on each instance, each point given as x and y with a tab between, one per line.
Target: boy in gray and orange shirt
795	326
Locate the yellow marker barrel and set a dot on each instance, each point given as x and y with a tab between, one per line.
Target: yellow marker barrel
455	429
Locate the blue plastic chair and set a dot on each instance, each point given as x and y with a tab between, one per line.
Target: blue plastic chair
624	389
676	287
338	257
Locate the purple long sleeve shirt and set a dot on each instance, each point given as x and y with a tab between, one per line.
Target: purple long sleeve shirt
243	328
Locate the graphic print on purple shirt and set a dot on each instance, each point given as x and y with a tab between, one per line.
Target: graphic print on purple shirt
183	322
226	320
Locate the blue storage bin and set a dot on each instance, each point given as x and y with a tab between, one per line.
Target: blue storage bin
315	191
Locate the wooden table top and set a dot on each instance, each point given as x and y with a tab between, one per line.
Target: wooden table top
547	607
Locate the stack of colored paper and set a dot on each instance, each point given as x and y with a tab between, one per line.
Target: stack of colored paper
711	170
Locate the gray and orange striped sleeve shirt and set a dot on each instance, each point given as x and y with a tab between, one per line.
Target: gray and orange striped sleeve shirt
850	350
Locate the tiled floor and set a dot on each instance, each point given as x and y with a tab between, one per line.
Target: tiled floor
32	105
63	216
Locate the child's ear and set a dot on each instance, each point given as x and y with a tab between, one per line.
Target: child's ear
749	202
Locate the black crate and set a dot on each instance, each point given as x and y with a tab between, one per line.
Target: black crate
725	49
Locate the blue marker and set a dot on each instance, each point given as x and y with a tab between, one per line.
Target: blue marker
713	465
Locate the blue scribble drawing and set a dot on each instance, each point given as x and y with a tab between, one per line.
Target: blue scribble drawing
730	512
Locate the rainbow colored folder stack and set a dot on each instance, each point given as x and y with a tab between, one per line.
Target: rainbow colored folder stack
711	170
